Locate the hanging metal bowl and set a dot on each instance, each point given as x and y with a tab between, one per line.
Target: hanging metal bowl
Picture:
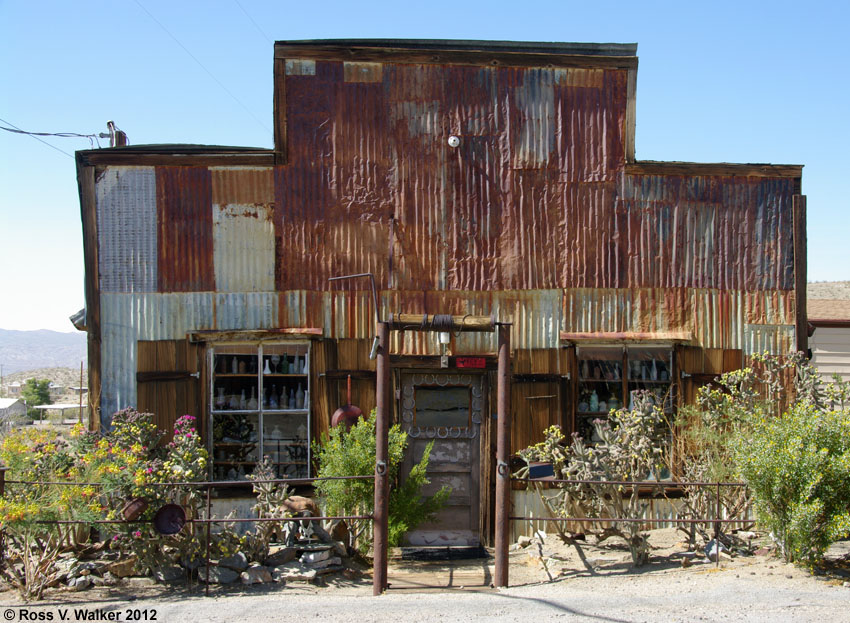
169	519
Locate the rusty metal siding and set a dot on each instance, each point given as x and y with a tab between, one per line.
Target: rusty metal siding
243	229
127	230
707	232
185	233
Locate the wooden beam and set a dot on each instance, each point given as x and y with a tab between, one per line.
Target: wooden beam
117	157
280	142
254	335
425	322
88	214
651	167
432	362
631	114
800	273
356	375
451	57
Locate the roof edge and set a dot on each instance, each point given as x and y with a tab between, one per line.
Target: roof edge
473	45
176	154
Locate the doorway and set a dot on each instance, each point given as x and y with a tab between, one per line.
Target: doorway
445	408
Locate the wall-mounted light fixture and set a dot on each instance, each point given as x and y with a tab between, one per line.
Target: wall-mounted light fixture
454	141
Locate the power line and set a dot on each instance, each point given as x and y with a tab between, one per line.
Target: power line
202	66
256	25
35	137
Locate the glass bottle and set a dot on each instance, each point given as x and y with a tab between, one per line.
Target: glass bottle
299	397
252	402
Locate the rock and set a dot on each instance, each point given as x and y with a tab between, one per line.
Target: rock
281	556
293	572
238	562
846	585
109	579
81	583
169	574
96	580
523	541
686	562
324	564
340	549
140	582
256	575
330	569
217	575
713	549
314	557
301	506
746	535
540	535
123	568
764	551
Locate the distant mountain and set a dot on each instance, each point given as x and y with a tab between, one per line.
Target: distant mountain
29	350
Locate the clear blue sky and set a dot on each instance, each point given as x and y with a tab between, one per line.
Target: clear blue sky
717	82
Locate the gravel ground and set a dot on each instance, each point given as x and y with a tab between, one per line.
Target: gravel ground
753	588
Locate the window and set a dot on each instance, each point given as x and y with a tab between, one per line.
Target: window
260	406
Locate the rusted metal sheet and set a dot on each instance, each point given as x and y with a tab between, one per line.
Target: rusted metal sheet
243	229
185	232
127	231
706	232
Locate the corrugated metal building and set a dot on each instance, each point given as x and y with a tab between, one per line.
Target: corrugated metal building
207	267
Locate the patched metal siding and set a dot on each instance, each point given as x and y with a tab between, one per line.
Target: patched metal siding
243	229
127	229
184	218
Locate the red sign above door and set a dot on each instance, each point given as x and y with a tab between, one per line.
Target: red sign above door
470	362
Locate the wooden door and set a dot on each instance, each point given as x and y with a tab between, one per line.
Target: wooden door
445	408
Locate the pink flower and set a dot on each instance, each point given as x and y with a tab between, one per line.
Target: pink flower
137	534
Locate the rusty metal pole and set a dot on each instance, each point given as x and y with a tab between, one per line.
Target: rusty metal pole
380	524
209	516
717	528
3	469
503	449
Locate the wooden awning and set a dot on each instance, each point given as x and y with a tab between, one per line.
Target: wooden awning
620	337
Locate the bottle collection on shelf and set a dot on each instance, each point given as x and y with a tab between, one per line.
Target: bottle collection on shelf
601	383
233	394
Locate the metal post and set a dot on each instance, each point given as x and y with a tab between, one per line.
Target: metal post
3	469
503	449
380	525
717	528
209	516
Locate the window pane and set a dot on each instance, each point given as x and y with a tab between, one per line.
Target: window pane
442	406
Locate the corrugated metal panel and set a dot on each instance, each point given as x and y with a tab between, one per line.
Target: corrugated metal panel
160	316
117	355
707	232
244	247
185	234
304	309
363	72
773	339
127	231
248	310
532	118
296	67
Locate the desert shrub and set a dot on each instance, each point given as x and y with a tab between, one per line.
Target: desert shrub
798	468
791	448
352	453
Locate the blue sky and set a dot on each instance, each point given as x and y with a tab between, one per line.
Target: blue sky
718	82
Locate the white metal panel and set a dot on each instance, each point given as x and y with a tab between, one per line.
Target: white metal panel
127	229
243	248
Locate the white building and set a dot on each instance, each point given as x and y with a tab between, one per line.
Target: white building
830	342
11	407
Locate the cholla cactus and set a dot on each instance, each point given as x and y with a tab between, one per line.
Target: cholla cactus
632	445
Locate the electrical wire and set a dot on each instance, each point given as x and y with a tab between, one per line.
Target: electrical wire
18	130
202	66
256	25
